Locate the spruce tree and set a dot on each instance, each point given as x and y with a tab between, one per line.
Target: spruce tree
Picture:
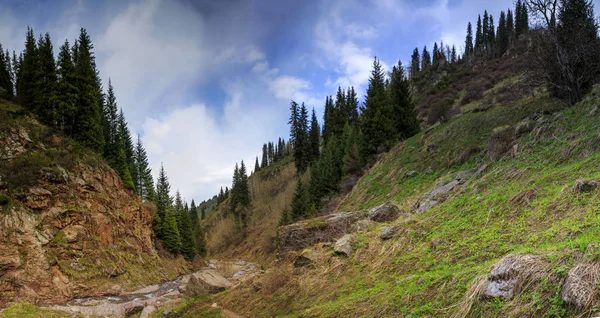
352	105
170	232
265	157
503	36
491	37
314	137
377	125
453	55
299	135
88	114
198	230
111	127
244	190
478	35
469	41
6	85
164	201
66	90
125	135
270	153
484	30
351	161
29	72
425	59
415	64
46	93
510	27
235	196
256	165
188	242
404	113
144	185
328	118
301	203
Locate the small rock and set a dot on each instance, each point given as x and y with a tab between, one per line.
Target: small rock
436	242
56	174
431	148
384	213
411	173
343	246
585	186
147	312
420	280
363	225
133	308
388	233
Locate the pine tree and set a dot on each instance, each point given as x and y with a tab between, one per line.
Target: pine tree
328	118
404	113
244	191
88	114
415	64
436	54
469	41
453	55
198	230
491	37
125	136
351	161
144	184
164	201
265	157
340	114
425	59
510	27
314	137
66	90
270	153
377	125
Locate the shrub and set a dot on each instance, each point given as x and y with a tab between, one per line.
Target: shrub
500	141
4	200
440	112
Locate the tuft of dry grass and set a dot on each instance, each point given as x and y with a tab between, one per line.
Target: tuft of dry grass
580	286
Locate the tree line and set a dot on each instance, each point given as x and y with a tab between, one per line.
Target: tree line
66	94
350	138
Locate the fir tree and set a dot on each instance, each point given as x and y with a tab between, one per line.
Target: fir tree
491	37
503	36
256	165
404	113
125	136
453	55
328	118
436	54
265	157
510	27
198	230
351	161
377	125
111	127
299	135
88	114
301	203
484	30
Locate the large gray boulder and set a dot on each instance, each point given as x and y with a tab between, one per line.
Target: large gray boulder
207	282
384	213
343	246
511	273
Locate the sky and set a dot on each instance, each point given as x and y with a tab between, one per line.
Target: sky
206	83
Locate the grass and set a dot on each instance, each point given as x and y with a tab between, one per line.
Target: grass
521	204
25	310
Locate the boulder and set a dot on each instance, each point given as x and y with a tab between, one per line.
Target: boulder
585	186
435	196
343	246
147	312
307	233
463	176
133	308
384	213
307	257
207	281
580	286
513	272
500	142
524	127
55	174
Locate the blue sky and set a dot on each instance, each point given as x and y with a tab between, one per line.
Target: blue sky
207	82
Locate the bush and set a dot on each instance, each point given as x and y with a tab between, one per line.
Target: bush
4	200
500	141
441	112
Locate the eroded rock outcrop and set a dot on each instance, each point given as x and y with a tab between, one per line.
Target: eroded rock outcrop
384	213
306	233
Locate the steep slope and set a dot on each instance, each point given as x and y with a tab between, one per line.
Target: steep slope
271	191
493	223
68	227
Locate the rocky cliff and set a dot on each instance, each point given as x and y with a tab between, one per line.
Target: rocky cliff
68	227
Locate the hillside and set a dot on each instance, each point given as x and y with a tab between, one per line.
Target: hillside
271	191
517	160
68	226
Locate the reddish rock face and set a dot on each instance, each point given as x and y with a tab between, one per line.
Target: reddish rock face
60	229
